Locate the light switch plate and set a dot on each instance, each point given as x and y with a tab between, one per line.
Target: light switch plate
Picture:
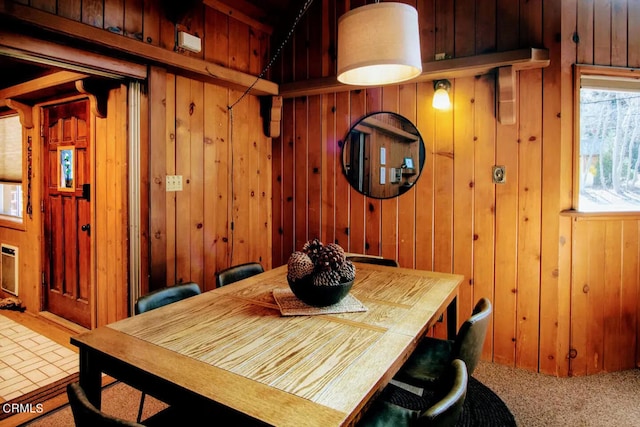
174	183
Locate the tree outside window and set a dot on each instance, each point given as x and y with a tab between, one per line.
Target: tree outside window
609	145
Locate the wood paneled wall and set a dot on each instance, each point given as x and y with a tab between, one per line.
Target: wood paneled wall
510	240
223	214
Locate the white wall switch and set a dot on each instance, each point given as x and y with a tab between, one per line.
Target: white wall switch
174	183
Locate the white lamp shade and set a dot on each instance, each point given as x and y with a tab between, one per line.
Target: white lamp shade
379	44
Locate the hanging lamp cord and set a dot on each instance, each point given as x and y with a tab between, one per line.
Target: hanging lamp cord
301	13
277	53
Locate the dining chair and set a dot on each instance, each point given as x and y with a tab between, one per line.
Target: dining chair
160	298
87	415
367	259
238	272
432	357
444	412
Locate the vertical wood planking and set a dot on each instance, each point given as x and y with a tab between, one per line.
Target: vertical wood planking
71	9
485	24
629	294
508	34
183	168
552	165
484	217
151	23
568	57
465	15
93	12
301	180
46	5
633	35
407	201
463	194
315	167
619	30
221	196
373	212
331	167
602	32
133	12
596	234
424	188
426	21
357	200
240	194
389	216
171	208
529	219
343	123
195	182
288	180
612	304
114	16
579	298
585	28
101	229
158	195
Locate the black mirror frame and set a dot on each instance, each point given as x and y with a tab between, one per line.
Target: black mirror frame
401	188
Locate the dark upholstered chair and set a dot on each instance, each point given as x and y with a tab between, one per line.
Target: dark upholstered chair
238	272
160	298
444	412
433	356
87	415
373	260
164	296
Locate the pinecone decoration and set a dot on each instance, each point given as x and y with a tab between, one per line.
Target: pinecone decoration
347	271
299	266
313	248
331	257
326	278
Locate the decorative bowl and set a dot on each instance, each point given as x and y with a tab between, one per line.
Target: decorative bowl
319	296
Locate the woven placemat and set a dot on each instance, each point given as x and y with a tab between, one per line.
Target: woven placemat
290	305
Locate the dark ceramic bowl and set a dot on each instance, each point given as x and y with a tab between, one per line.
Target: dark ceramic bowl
319	296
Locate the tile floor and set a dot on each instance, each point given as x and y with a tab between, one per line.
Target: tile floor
29	361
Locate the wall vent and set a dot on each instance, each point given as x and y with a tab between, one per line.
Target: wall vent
9	269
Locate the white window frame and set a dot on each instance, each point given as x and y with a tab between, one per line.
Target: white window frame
607	78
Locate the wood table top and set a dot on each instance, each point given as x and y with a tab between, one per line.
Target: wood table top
232	345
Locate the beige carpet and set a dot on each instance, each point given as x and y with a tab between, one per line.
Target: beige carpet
118	399
602	400
534	399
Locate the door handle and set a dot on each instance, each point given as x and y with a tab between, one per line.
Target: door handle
87	228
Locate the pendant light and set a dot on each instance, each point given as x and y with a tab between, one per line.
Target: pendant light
379	44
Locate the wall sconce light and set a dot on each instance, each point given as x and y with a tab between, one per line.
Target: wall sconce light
379	44
441	99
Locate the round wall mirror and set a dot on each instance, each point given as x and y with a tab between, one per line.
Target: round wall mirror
383	155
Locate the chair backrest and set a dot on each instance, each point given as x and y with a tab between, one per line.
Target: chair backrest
447	410
470	339
164	296
373	260
87	415
238	272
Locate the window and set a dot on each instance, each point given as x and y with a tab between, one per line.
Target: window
608	160
10	167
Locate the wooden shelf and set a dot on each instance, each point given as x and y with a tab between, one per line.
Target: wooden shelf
520	59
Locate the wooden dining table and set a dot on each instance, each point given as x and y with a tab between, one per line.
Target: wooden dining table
233	348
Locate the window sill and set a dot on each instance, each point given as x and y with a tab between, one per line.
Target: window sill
578	215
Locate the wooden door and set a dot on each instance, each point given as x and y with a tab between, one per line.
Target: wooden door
67	226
